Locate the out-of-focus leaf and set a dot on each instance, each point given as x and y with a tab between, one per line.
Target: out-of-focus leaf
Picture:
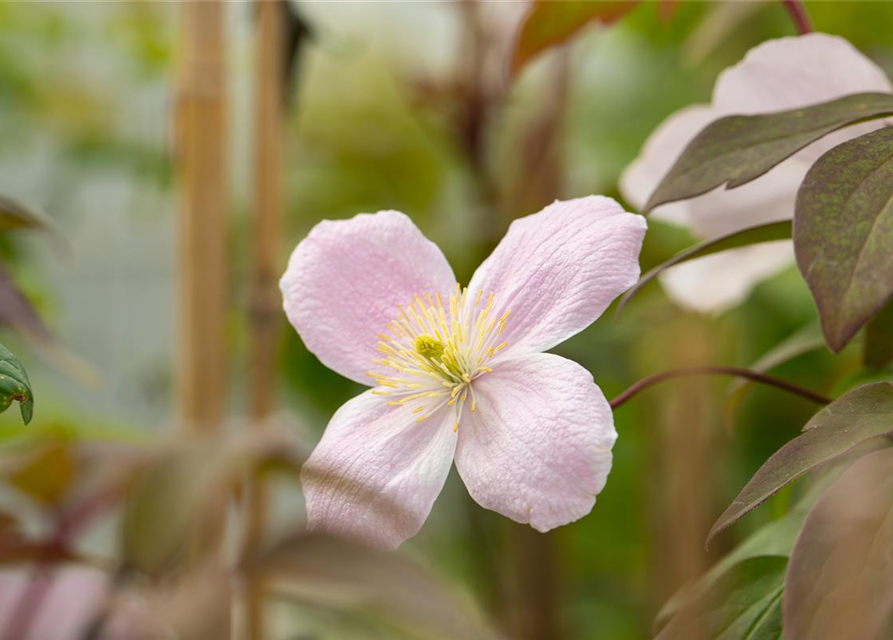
802	341
180	499
843	233
774	539
14	385
15	215
743	604
737	149
879	339
42	470
552	23
864	413
840	576
752	235
17	313
320	570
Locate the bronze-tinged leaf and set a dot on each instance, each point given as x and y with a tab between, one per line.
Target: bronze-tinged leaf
334	573
843	233
861	414
743	238
737	149
551	23
878	348
177	502
840	575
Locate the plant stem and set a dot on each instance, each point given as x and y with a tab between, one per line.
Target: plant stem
799	16
739	372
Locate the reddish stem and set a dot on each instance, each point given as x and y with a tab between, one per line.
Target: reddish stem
799	15
739	372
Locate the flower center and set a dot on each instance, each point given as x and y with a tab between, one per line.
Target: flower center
436	353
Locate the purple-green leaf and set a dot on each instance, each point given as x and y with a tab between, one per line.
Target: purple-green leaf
861	414
840	575
737	149
745	237
843	233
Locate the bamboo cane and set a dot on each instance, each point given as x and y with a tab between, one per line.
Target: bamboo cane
264	320
202	158
202	171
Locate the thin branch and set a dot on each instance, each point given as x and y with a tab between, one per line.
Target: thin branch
739	372
799	16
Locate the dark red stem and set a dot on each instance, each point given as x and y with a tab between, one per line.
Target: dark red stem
798	15
739	372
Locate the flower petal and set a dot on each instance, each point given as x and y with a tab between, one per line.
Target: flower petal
559	269
344	282
787	73
75	595
797	71
718	282
538	447
376	472
641	177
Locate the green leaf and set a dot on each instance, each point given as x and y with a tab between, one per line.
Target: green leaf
752	235
861	414
840	576
14	385
879	339
774	539
15	215
737	149
804	340
743	604
843	233
552	23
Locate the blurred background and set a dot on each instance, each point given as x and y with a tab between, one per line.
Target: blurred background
407	106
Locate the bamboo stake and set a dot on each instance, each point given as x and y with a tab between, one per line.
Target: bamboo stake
202	155
265	313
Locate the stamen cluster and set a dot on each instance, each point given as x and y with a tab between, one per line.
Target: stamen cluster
437	353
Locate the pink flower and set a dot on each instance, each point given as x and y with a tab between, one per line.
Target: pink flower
459	373
774	76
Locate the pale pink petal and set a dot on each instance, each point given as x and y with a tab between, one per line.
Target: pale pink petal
537	449
793	72
663	147
768	199
344	282
559	269
774	76
797	71
376	472
718	282
74	597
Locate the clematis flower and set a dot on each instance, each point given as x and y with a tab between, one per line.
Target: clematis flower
775	76
459	373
